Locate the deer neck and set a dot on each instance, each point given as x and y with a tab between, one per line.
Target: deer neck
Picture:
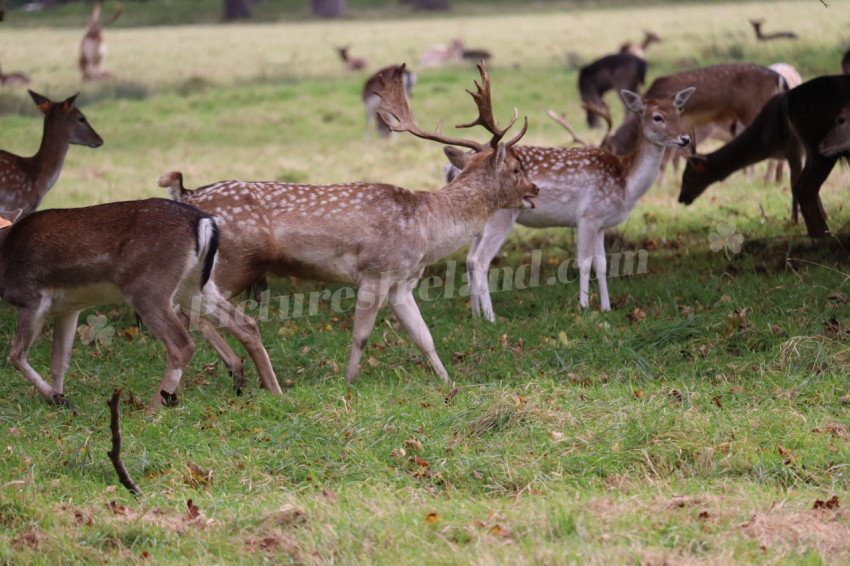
641	169
46	164
623	141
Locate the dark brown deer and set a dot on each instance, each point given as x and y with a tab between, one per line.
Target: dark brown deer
151	253
374	236
761	36
371	101
618	72
25	180
13	79
791	125
93	46
639	50
351	63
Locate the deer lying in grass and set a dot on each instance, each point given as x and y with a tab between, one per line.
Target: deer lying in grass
351	63
837	140
371	101
377	237
584	187
791	125
151	253
93	46
13	79
25	180
761	36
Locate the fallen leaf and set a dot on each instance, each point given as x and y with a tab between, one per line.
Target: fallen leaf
413	444
432	517
636	316
194	512
198	476
831	503
451	395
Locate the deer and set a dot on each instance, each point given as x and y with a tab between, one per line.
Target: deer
150	253
93	46
639	50
377	237
371	101
761	36
14	79
437	55
791	125
586	187
351	63
837	140
24	181
618	72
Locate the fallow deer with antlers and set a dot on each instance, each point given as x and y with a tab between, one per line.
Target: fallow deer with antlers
588	188
25	180
151	253
377	237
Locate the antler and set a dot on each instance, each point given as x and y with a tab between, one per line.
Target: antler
394	102
562	119
604	112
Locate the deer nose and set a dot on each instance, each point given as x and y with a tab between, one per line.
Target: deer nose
684	141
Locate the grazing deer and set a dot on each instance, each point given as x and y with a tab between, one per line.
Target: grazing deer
377	237
93	46
351	63
437	55
639	50
584	187
837	140
761	36
13	79
790	125
371	101
25	180
622	71
725	94
151	253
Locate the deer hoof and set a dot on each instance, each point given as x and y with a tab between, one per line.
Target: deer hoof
60	401
169	399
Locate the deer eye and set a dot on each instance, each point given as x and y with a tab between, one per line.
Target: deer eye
516	170
658	118
840	121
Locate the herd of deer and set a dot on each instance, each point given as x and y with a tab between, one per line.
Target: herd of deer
221	239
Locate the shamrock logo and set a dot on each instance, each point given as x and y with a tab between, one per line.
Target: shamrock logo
725	239
97	332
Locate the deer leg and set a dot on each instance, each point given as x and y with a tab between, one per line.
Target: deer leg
794	156
806	191
370	296
586	246
231	360
64	329
601	271
405	308
480	256
30	323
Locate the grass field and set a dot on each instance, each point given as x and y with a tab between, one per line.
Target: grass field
703	421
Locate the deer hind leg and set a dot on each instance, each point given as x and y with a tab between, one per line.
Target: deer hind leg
481	255
586	237
29	325
370	296
231	360
599	262
64	329
806	191
405	308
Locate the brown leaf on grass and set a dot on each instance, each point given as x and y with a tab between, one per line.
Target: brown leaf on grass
836	430
638	393
737	321
717	401
451	395
636	316
413	444
831	503
432	517
130	333
519	349
198	476
329	494
193	510
116	509
675	396
786	454
372	362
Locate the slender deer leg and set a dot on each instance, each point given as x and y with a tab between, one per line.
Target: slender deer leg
404	306
230	358
816	171
64	329
30	322
370	296
479	258
601	271
586	236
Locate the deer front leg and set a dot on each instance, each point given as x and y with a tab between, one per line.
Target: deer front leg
231	360
30	322
405	308
370	296
806	190
64	329
480	256
586	237
600	263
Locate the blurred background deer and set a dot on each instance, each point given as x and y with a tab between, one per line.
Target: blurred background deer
93	46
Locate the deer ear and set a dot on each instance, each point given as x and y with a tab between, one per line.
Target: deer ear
633	100
68	105
498	156
681	97
7	218
41	102
457	157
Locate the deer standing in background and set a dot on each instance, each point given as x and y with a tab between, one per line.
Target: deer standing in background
790	125
351	63
371	101
437	55
14	79
588	188
93	46
618	72
761	36
837	140
25	180
377	237
151	253
639	50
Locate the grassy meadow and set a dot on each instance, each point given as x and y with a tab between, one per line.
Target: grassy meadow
705	420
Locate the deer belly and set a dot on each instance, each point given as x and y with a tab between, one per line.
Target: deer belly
550	211
77	298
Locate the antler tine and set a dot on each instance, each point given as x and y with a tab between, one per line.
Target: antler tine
394	102
485	109
562	119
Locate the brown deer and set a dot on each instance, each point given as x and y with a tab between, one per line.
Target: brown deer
371	101
13	79
93	46
351	63
437	55
791	125
151	253
761	36
588	188
639	50
837	140
25	180
617	72
375	236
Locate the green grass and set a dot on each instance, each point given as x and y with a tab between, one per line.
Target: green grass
698	422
